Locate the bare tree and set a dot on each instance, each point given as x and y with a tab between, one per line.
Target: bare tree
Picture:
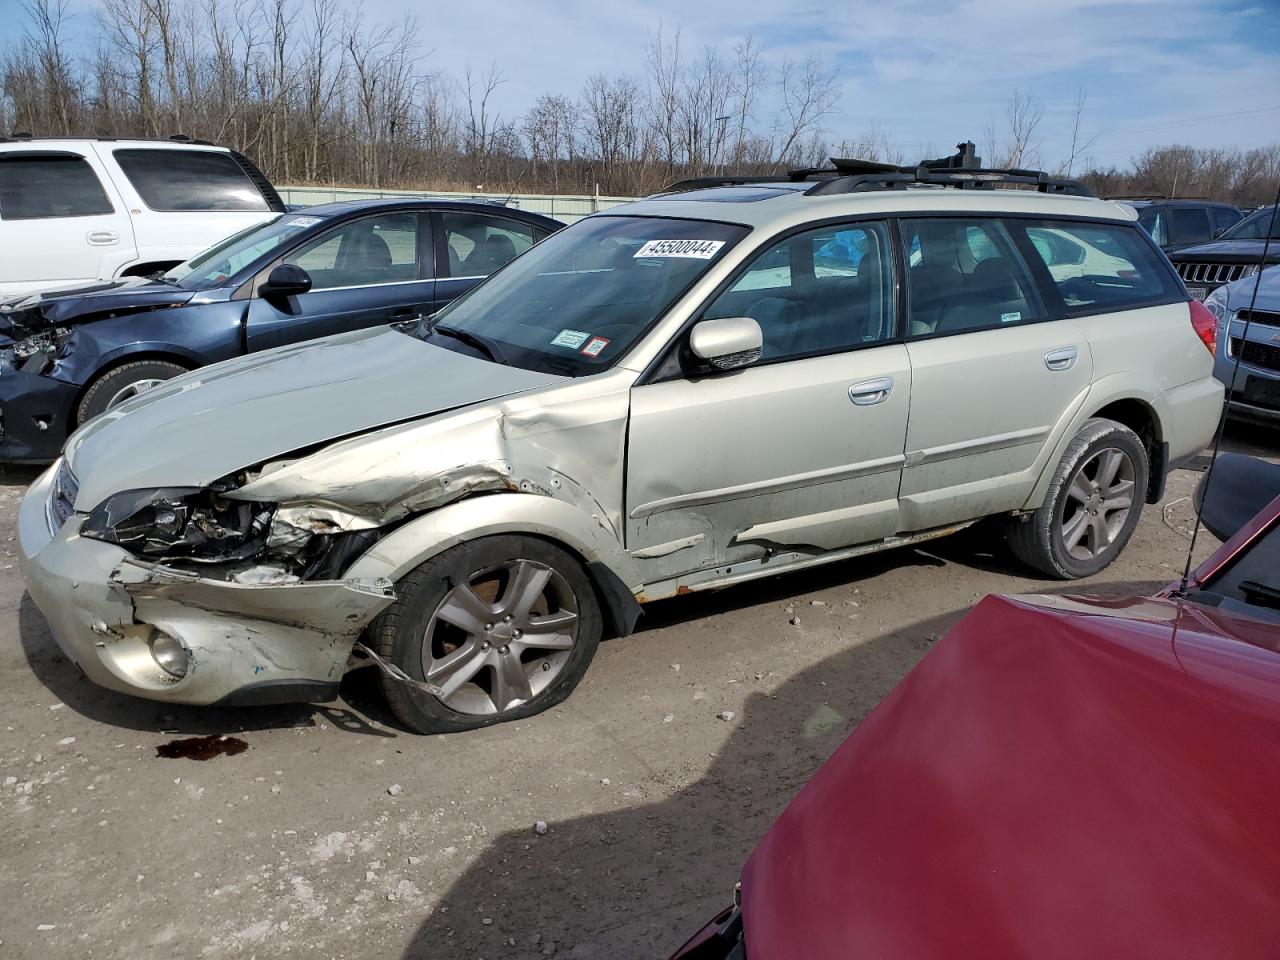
1080	144
808	92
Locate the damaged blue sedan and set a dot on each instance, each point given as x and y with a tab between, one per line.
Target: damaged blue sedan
70	355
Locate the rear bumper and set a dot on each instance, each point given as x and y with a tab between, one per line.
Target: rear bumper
35	415
1191	417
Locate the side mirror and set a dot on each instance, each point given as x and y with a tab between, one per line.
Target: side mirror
1219	232
286	280
727	343
1240	487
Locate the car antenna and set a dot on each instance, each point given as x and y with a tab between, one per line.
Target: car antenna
1226	403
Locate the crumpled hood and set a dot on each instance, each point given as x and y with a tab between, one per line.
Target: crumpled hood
206	424
1058	778
62	308
1237	251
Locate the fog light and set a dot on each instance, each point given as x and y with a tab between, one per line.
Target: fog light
169	655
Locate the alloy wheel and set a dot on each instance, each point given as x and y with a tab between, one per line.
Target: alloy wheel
1099	498
131	390
502	637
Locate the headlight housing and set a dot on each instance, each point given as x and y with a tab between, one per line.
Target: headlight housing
191	522
1216	303
34	354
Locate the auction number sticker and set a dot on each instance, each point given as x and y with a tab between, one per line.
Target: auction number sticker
570	338
302	221
697	249
594	347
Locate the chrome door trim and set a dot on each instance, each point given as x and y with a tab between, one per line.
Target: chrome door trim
981	445
776	485
1064	358
870	392
371	286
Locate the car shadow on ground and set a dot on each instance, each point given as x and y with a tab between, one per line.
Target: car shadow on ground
636	882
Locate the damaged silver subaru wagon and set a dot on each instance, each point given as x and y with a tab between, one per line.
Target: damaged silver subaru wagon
719	383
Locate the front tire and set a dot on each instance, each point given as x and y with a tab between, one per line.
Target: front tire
123	383
506	626
1092	506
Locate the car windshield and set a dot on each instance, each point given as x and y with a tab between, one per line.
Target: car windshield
578	300
1254	226
224	260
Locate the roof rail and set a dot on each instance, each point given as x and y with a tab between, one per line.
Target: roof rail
963	170
24	137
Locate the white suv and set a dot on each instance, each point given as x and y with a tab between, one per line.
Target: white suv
721	383
78	211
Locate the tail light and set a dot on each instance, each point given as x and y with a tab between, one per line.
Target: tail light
1205	325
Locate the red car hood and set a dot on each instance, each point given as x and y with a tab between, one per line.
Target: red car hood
1059	777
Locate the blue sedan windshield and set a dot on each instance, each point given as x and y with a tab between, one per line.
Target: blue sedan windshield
223	260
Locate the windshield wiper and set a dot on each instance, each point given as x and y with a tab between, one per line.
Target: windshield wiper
488	348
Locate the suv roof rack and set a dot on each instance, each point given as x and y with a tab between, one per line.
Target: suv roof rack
24	137
963	170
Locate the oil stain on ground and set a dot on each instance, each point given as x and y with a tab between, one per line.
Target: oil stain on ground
201	748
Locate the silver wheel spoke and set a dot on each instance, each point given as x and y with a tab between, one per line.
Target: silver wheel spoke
451	671
465	610
1075	530
1080	489
1109	467
1101	538
524	588
510	684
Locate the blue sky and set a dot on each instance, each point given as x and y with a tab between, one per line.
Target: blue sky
926	72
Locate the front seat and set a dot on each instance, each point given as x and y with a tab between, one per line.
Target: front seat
366	258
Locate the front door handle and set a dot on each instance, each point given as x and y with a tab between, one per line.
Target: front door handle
870	392
1061	359
102	238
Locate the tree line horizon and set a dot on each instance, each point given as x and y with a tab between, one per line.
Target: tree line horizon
318	96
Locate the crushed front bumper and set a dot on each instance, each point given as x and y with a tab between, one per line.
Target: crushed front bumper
246	644
35	414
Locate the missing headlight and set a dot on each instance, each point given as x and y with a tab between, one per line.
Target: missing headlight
194	523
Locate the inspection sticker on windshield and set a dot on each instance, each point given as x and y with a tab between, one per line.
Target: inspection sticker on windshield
570	338
302	221
1013	317
698	249
595	347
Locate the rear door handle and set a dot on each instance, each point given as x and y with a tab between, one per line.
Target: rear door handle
870	392
102	238
1061	359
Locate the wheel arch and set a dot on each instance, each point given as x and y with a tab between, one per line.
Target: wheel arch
1116	398
611	570
142	352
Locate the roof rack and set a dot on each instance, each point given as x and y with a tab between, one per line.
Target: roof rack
25	137
963	171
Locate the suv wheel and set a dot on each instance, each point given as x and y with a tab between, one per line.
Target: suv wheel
125	382
505	626
1092	507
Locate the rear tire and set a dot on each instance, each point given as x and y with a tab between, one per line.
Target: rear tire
1092	506
507	625
124	383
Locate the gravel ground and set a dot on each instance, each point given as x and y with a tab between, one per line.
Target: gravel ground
612	826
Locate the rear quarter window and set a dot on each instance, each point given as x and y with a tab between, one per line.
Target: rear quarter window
182	180
1098	267
37	187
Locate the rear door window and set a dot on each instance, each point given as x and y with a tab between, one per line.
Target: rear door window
477	244
40	186
1098	267
1224	217
180	180
966	274
1189	225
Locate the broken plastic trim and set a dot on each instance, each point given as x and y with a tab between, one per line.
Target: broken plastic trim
393	672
